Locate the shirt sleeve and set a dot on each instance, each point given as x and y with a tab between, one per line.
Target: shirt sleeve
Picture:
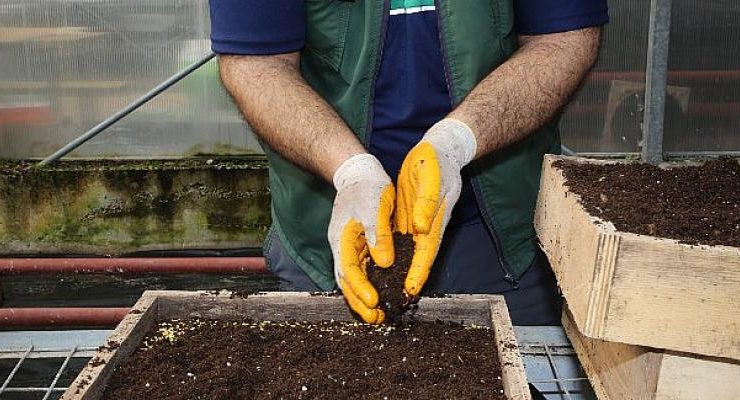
536	17
257	27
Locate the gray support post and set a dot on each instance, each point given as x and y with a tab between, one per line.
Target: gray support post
126	110
656	80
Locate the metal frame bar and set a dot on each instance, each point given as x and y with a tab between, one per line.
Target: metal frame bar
15	370
34	353
59	373
560	384
656	81
549	352
131	107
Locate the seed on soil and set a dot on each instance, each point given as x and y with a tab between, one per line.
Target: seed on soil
290	359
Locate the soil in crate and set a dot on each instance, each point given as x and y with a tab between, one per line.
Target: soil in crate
693	204
206	359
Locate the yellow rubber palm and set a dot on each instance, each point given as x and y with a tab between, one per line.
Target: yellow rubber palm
429	185
360	226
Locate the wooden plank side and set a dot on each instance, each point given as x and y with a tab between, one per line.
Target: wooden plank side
262	307
638	289
620	371
125	339
616	371
513	375
675	296
465	309
571	241
688	378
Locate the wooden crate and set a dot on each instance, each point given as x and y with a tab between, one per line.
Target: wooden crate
156	306
638	289
619	371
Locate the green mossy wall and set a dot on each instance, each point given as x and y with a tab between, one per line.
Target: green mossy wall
117	207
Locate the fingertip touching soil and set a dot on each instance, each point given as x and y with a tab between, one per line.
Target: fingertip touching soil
389	282
692	204
209	360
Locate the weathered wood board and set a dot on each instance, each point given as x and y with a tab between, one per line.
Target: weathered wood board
155	306
619	371
638	289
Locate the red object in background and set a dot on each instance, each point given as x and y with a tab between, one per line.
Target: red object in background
216	265
24	115
107	317
98	317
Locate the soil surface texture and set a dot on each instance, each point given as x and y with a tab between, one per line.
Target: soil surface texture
693	204
390	281
206	359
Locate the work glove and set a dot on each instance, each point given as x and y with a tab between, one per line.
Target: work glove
429	185
361	224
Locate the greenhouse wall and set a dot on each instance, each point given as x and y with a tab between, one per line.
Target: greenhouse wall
66	65
704	65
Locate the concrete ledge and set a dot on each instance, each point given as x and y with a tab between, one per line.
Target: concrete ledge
117	207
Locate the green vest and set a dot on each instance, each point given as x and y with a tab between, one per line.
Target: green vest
341	61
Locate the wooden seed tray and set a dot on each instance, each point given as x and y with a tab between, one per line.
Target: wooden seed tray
638	289
156	306
619	371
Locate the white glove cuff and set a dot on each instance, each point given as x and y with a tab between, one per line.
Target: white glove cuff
455	138
356	168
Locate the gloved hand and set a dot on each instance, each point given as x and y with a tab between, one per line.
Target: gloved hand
429	185
361	223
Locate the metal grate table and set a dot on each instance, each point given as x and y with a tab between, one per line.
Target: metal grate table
41	364
551	364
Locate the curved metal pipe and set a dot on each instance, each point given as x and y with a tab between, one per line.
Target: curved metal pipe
213	265
61	316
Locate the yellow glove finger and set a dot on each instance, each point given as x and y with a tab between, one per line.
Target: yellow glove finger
352	253
425	251
418	190
383	253
428	183
404	199
369	315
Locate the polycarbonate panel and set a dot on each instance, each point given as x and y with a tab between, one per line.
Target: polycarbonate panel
66	65
606	113
704	72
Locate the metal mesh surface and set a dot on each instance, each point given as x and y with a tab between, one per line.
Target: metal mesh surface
40	373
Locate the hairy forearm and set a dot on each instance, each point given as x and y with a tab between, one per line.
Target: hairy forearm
287	113
526	92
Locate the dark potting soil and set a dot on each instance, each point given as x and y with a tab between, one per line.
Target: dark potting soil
693	204
206	359
390	281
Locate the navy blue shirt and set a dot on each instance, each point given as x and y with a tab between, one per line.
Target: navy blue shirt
411	92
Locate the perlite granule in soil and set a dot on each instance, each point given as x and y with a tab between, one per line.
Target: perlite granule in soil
206	359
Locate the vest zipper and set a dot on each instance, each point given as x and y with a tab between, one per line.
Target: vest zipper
487	219
376	71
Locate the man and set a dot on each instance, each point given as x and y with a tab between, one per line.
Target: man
453	100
